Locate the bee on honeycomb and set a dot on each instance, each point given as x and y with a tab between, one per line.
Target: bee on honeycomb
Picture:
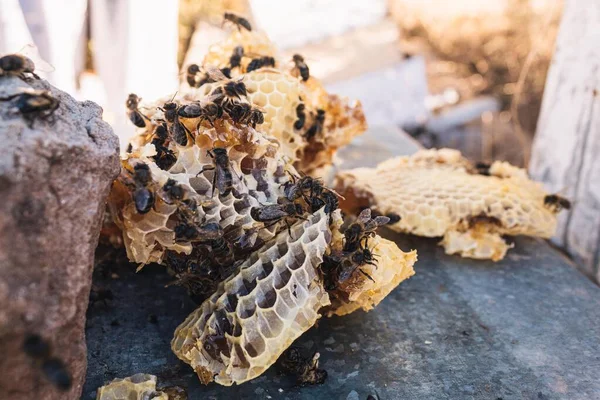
274	297
209	187
440	193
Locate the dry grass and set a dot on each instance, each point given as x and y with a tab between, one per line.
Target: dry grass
502	53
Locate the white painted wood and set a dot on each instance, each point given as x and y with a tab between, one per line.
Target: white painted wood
135	50
298	22
566	148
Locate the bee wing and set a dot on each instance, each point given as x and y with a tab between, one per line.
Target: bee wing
214	73
210	98
364	216
31	51
377	221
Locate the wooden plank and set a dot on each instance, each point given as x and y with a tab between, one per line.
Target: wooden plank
567	143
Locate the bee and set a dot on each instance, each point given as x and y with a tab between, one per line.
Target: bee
298	187
164	158
306	369
98	294
273	213
222	178
191	232
483	219
238	21
34	104
338	267
317	127
196	76
394	218
326	198
235	59
133	112
192	75
178	131
363	227
556	203
17	65
54	369
196	276
142	196
301	67
299	123
244	113
260	62
483	168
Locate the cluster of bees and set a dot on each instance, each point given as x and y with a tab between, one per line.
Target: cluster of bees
215	251
31	104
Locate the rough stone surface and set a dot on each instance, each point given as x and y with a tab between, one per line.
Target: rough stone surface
54	179
526	327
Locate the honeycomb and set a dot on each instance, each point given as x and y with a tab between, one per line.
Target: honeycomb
266	278
439	193
279	92
394	266
258	312
136	387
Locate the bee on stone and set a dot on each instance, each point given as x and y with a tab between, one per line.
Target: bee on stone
556	203
17	65
317	126
260	62
236	20
164	158
34	104
99	294
178	132
363	227
301	115
306	369
300	67
223	177
133	112
53	368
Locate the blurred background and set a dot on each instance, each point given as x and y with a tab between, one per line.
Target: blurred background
466	74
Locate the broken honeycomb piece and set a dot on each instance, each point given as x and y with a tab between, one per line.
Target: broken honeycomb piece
279	91
439	193
256	313
393	266
136	387
258	170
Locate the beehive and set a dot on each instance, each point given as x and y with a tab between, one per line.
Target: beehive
136	387
439	193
